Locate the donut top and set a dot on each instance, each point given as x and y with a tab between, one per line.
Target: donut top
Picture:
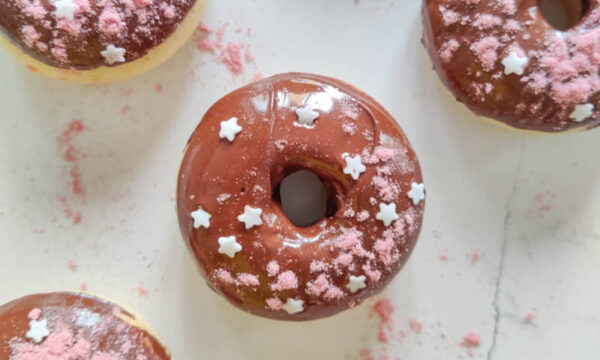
85	34
68	326
504	60
230	216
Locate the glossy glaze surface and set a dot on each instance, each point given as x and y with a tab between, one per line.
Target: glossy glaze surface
79	326
278	260
470	41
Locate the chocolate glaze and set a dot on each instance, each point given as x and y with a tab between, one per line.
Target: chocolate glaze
143	25
102	325
521	101
269	147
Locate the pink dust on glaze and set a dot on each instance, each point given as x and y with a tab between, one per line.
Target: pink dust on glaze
34	314
272	268
224	276
486	51
274	303
245	279
287	280
318	266
384	309
318	286
362	216
449	16
384	154
110	22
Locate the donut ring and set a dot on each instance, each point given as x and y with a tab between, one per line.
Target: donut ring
96	40
247	249
66	325
504	61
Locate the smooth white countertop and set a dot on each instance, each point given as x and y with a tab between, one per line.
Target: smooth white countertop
529	205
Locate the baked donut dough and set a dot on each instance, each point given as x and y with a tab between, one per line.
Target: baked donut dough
505	61
96	41
232	219
64	325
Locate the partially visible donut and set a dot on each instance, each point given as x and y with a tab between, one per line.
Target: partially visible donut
503	60
73	326
247	248
96	40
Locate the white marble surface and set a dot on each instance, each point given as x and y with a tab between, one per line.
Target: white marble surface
528	204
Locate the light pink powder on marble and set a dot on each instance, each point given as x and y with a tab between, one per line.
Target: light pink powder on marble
246	279
248	55
232	58
384	309
528	318
274	303
472	339
287	280
415	325
486	51
224	276
272	268
205	28
205	44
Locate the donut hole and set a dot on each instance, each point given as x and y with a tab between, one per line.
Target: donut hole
563	14
305	198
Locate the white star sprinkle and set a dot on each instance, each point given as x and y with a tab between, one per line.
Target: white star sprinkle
582	112
306	116
113	54
356	283
228	246
354	166
65	9
251	217
201	218
416	193
229	129
513	63
293	306
387	213
38	330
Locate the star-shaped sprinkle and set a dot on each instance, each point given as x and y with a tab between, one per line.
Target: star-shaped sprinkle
38	330
356	283
387	213
251	217
293	306
416	193
306	116
228	246
229	129
513	63
582	112
354	166
65	9
113	54
201	218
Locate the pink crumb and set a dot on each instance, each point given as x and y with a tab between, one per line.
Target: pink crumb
287	280
415	325
444	257
272	268
72	265
384	309
475	256
246	279
528	318
472	339
205	28
158	88
143	291
83	286
257	76
125	109
248	55
232	58
34	314
274	303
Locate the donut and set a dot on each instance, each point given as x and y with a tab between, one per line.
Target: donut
505	61
96	41
231	207
65	325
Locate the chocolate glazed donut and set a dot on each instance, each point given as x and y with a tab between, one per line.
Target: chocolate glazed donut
66	325
232	219
505	61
